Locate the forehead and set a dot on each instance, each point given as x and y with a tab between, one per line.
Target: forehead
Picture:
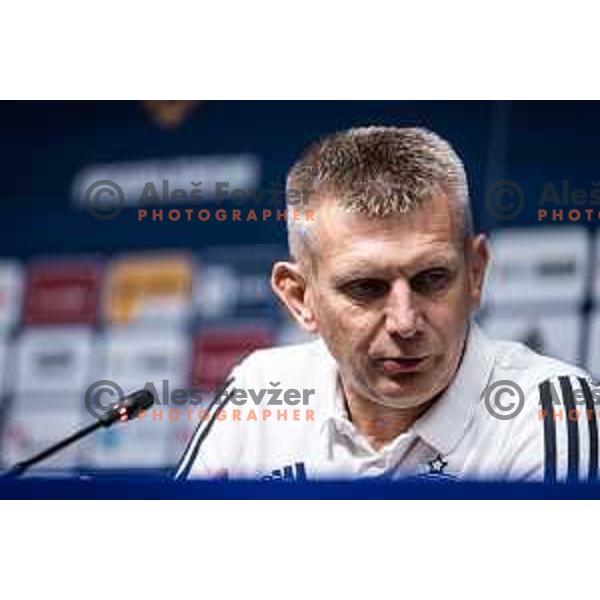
353	241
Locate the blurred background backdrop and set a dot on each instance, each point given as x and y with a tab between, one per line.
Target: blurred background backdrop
86	298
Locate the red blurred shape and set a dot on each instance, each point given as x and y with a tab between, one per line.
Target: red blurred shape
217	351
62	292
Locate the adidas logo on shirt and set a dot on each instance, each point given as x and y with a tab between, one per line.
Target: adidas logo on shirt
295	472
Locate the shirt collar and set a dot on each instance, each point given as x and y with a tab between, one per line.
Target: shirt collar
445	423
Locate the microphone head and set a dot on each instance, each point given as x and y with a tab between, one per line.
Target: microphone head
141	400
129	407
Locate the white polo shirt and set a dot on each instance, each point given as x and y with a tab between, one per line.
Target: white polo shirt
311	437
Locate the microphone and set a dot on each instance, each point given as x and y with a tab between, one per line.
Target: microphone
128	408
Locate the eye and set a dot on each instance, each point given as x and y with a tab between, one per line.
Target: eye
364	290
431	281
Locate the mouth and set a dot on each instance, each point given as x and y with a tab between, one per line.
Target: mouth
396	365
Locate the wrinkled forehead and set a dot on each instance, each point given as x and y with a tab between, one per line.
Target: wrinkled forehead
430	231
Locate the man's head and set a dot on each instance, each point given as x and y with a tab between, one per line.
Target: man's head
389	272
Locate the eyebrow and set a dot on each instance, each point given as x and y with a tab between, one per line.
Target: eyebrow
366	269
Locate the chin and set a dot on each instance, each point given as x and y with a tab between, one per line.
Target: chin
402	402
407	393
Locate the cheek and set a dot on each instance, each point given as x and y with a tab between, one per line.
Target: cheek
346	328
450	326
358	331
448	320
458	302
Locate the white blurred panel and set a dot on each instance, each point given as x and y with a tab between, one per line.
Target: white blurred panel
596	269
593	357
538	266
234	282
182	430
6	366
53	359
216	295
35	422
132	358
144	443
11	294
558	336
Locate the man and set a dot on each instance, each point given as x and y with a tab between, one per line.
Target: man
388	274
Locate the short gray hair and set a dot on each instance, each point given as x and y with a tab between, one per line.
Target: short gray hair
379	172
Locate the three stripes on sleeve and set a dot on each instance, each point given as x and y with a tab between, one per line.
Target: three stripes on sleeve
569	415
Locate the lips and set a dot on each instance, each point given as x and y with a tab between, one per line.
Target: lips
393	365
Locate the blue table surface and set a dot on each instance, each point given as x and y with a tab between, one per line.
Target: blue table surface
138	488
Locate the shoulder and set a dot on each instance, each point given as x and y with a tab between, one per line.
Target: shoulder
261	415
553	435
515	358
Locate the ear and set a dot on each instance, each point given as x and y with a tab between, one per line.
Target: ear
478	259
290	283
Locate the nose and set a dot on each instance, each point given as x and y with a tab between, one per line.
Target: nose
401	314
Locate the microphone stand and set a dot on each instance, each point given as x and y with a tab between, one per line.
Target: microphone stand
20	468
126	410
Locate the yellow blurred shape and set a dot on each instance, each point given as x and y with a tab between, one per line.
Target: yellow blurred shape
133	284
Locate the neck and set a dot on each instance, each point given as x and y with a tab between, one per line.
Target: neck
378	423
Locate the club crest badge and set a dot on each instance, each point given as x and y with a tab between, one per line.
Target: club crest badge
435	470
